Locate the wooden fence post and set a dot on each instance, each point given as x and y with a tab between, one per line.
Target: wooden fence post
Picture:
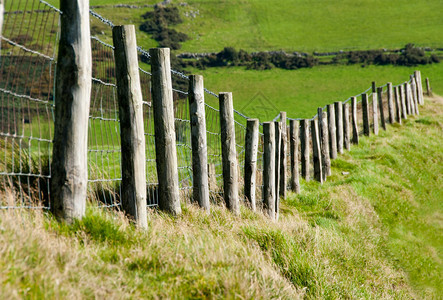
354	121
196	96
346	127
332	131
165	146
390	104
72	98
229	153
278	139
338	106
316	152
404	112
380	104
294	133
374	108
418	82
428	86
251	149
283	155
414	94
411	98
407	98
324	143
398	108
130	104
269	169
365	107
413	87
304	145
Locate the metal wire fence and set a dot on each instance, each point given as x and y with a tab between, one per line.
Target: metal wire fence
27	69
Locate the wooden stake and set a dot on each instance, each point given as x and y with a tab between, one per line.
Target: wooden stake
428	88
269	195
365	108
196	96
130	102
165	146
229	153
346	127
316	152
380	104
398	108
304	143
404	112
251	149
324	143
354	120
338	106
294	133
69	167
283	155
332	131
374	108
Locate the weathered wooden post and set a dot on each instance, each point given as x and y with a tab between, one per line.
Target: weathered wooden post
165	146
331	129
380	104
277	131
411	97
338	107
251	149
130	104
269	169
304	147
196	96
278	139
324	143
354	121
428	85
390	104
346	127
413	86
407	98
294	133
404	112
72	98
229	152
283	155
398	108
374	108
418	82
316	152
365	107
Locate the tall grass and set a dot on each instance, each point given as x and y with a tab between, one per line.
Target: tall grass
370	232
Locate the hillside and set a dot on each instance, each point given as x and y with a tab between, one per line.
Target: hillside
372	231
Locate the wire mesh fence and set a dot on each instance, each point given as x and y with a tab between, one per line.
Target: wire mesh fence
28	68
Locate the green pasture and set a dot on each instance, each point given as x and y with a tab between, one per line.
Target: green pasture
264	94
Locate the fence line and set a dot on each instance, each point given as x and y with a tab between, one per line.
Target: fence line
28	60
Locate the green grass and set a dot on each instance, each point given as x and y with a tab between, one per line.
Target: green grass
299	92
370	233
304	25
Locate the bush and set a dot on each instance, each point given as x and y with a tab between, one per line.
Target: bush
157	23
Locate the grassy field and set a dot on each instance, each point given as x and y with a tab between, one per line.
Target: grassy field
371	233
264	94
300	25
